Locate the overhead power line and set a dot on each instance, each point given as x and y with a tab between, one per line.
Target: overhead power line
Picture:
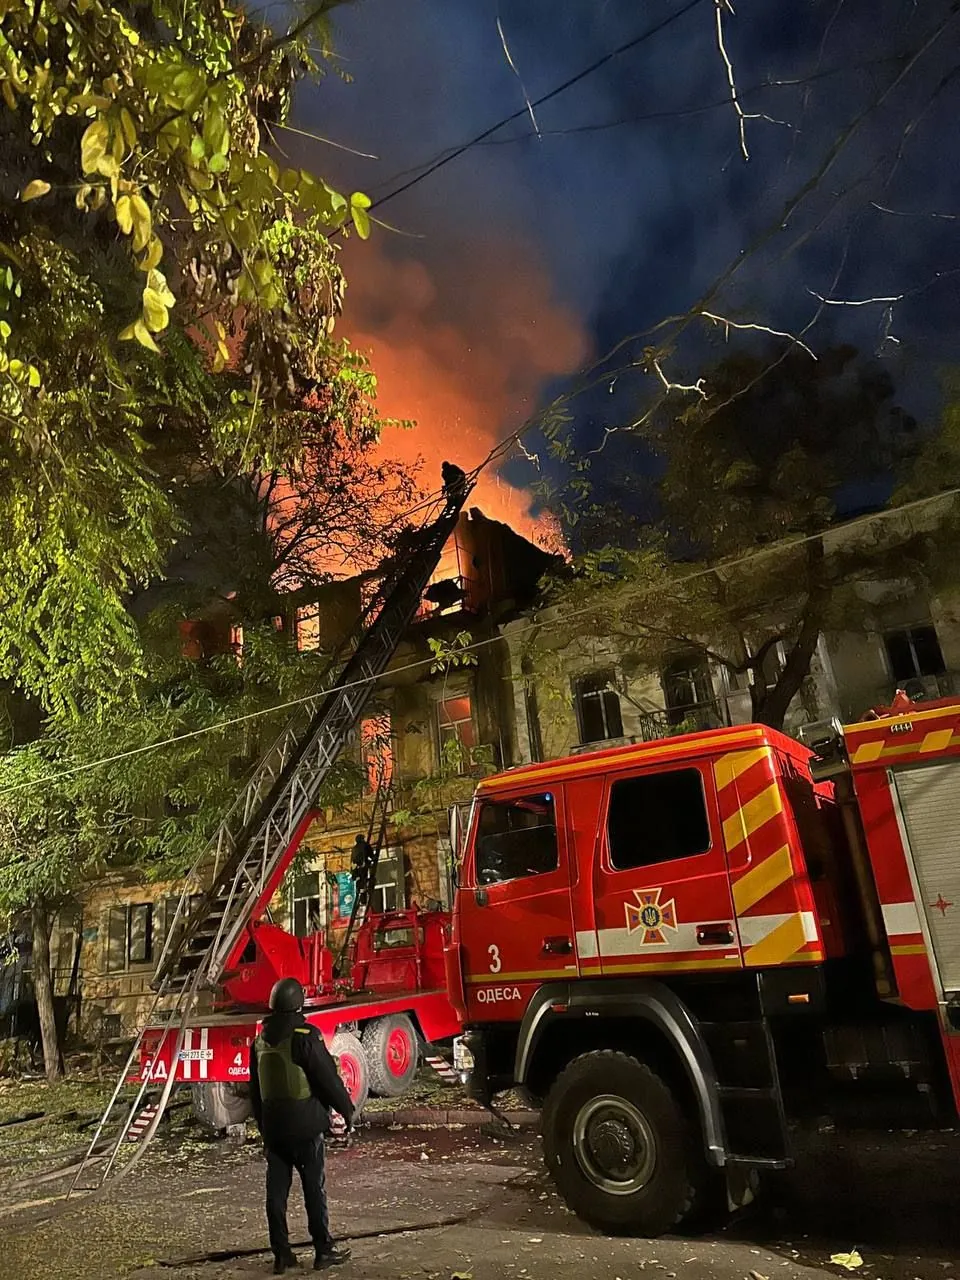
589	70
784	544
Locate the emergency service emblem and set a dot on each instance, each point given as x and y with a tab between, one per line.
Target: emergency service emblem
651	916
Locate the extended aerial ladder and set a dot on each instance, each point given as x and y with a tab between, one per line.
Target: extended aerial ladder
241	868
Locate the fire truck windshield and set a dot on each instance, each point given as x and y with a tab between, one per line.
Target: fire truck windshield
516	838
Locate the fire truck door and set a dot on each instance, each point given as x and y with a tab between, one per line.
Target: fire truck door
516	928
662	891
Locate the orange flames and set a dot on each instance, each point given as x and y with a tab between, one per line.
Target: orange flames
463	347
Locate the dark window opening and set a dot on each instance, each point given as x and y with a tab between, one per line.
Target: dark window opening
130	936
516	838
307	905
914	652
598	708
658	817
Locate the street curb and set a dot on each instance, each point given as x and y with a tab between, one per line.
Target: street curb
413	1118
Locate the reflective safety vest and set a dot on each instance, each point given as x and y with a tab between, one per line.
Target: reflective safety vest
281	1080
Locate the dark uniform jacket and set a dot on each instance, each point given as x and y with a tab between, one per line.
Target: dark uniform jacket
288	1122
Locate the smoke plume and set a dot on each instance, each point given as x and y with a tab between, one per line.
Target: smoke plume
463	346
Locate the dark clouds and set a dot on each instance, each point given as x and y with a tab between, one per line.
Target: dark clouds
632	223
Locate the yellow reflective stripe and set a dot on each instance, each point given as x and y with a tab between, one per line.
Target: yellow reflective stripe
868	751
909	949
778	946
729	767
751	816
937	740
498	979
584	767
763	879
655	966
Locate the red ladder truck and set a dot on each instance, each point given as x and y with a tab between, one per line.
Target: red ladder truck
681	948
221	945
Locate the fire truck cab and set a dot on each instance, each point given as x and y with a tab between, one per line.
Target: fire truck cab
681	948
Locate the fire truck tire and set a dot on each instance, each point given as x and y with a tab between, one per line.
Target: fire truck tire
218	1105
393	1054
619	1147
352	1062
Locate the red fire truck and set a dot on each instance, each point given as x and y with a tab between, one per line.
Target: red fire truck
680	948
391	1002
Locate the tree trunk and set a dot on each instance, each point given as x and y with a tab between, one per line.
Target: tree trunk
43	991
772	708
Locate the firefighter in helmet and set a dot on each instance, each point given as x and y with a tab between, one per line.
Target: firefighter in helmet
294	1084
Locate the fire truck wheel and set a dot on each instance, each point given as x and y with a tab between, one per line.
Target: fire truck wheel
619	1147
352	1061
219	1105
392	1054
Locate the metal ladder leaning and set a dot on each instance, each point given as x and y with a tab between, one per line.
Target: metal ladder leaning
246	859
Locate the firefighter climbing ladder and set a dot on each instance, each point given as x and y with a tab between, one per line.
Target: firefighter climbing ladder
247	857
366	873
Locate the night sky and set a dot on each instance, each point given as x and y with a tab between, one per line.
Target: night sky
526	258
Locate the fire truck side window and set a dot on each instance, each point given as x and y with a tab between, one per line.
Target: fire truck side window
657	818
516	838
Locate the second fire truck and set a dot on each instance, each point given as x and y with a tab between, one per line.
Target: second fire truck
679	948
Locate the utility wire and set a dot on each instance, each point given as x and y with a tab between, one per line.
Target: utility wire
675	113
594	66
784	544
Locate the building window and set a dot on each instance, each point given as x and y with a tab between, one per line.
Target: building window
307	628
687	688
456	732
914	652
598	708
388	892
130	940
516	838
658	817
307	904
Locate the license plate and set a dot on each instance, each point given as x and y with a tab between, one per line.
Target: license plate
196	1055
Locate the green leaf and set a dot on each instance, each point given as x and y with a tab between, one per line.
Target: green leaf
215	132
198	148
124	211
217	162
153	255
33	190
142	222
155	313
361	220
142	335
93	145
129	128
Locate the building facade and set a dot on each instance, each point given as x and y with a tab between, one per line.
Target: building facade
431	728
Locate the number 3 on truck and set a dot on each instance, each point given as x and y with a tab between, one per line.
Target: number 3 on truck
494	952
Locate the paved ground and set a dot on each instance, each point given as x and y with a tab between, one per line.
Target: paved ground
437	1205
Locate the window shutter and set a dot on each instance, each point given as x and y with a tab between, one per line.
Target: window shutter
116	957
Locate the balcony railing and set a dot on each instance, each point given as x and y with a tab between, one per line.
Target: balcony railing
928	688
673	721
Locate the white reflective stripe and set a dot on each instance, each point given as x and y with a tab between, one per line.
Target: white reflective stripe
754	929
901	917
204	1035
587	947
622	942
187	1049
